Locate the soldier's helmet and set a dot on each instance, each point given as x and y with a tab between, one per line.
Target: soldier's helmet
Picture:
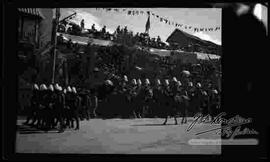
204	93
179	83
109	82
167	82
43	87
69	89
174	79
185	72
56	86
147	82
35	87
199	85
125	78
134	82
51	87
139	82
214	91
190	84
74	90
158	82
60	88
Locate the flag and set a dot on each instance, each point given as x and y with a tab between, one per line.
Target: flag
147	25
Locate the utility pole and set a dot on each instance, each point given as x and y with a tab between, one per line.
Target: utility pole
55	27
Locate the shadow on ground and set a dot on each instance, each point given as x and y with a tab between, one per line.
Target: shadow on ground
26	129
153	124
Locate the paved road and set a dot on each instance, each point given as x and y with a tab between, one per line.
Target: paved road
122	136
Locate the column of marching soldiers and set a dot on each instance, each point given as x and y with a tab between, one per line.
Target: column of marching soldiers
56	107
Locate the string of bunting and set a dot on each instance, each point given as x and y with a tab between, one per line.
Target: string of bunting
162	19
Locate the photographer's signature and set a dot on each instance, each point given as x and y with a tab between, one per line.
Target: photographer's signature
226	125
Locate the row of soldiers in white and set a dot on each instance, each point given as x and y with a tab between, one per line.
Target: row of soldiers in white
57	106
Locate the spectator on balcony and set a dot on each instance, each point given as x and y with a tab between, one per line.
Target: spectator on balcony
93	28
125	30
82	24
118	29
103	31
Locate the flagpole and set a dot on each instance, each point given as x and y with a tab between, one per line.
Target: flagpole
57	15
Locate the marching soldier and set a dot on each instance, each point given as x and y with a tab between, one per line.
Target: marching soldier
147	103
94	103
157	97
69	106
60	107
214	101
138	100
49	115
75	104
86	103
205	103
42	111
34	105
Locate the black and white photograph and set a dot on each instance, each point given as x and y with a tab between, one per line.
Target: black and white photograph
137	80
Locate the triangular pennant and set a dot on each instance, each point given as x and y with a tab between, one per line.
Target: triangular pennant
196	29
190	27
141	12
210	29
129	12
201	29
217	28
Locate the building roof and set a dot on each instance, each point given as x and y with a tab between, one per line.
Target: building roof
32	11
184	39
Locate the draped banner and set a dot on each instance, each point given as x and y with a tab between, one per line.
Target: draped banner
132	12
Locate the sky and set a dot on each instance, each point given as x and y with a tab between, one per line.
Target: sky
196	17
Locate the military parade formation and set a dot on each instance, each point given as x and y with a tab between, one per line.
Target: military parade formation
57	107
